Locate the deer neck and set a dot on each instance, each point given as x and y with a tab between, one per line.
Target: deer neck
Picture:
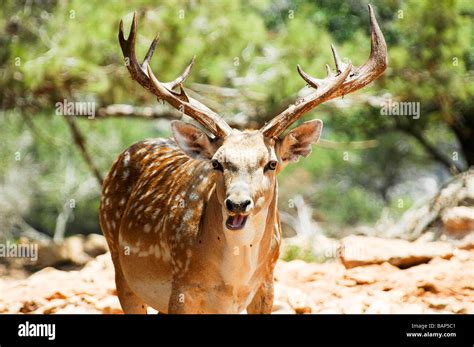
238	255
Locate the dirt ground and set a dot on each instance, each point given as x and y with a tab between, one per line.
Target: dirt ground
439	286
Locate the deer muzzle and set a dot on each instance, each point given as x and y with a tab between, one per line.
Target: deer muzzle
238	211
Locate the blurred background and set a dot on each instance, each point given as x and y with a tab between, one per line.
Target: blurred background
368	169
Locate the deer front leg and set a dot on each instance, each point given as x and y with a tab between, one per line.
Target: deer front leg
262	302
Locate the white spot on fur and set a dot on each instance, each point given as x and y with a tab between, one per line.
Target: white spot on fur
126	159
187	216
125	174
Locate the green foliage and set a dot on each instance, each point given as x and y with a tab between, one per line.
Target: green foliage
293	252
53	170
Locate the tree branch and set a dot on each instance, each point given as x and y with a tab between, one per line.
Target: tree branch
81	144
432	150
151	113
329	144
123	110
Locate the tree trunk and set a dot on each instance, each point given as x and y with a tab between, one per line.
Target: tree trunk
464	131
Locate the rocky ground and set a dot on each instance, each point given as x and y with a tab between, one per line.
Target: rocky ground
439	286
378	276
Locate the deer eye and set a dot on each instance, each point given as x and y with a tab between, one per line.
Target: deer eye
271	165
216	165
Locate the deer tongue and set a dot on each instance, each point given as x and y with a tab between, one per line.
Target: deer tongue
236	222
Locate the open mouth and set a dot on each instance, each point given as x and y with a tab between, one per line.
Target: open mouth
236	222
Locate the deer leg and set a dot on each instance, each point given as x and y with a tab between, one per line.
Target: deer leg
262	302
130	302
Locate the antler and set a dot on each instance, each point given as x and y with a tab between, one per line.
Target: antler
346	80
143	74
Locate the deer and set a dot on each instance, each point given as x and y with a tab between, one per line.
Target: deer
192	221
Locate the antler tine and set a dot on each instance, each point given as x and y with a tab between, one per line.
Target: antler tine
328	71
178	81
128	49
324	90
143	74
346	80
375	65
149	53
337	59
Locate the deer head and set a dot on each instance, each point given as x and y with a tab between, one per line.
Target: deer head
245	163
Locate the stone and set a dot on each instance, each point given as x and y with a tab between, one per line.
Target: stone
439	286
458	220
95	245
365	250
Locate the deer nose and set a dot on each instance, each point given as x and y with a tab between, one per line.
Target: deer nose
238	207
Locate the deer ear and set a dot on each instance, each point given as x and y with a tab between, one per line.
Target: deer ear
299	140
192	140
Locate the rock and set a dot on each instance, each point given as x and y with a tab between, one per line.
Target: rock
55	291
346	282
331	310
428	236
56	295
408	308
110	305
459	227
362	250
76	250
281	307
448	212
467	242
95	245
30	306
437	303
458	220
439	286
379	307
72	250
49	254
294	299
458	308
361	277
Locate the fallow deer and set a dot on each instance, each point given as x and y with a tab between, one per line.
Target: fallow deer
192	222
